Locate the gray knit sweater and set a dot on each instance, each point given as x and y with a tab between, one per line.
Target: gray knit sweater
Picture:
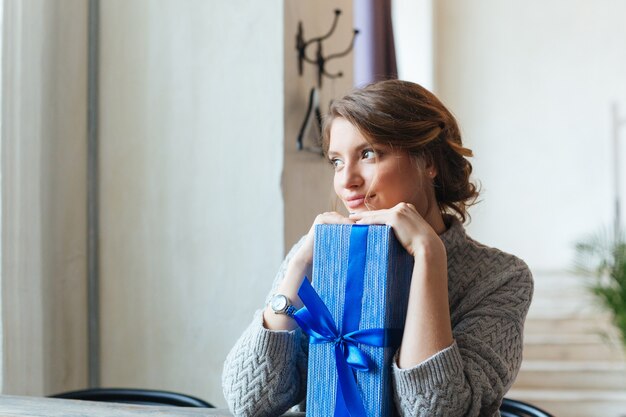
489	294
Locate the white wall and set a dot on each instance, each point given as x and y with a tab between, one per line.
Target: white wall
199	109
413	36
531	83
1	72
44	196
191	147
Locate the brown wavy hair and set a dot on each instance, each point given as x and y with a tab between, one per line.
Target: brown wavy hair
406	116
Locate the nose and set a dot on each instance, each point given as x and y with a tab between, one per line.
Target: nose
351	176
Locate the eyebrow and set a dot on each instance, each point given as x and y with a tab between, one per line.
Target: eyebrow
356	150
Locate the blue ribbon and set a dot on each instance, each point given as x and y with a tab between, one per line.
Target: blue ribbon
317	322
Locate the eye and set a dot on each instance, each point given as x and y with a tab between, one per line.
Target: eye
369	154
335	162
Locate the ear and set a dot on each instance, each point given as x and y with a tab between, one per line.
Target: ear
430	169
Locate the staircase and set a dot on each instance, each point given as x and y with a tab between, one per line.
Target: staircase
574	365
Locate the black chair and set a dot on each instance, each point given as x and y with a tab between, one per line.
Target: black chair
135	396
515	408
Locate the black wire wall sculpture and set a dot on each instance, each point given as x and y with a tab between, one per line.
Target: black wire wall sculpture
313	113
320	60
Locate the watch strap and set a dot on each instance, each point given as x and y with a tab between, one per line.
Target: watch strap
290	310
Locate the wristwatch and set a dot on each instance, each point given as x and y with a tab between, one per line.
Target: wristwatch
282	305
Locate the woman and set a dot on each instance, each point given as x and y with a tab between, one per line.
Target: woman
399	160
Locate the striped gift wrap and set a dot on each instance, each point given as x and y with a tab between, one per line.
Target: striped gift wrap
386	281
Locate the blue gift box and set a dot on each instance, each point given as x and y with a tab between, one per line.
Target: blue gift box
364	273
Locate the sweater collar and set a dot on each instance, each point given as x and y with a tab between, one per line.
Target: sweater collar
455	234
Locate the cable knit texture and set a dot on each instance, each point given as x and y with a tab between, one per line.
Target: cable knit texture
489	294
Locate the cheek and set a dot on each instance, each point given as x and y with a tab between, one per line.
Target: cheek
386	180
371	175
336	184
398	186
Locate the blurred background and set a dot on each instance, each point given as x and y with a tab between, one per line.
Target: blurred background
152	178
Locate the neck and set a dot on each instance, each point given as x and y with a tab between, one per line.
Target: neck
433	215
435	219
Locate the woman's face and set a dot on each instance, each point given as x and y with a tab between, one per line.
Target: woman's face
373	177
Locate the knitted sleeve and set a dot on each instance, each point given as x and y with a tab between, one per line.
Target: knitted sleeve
471	377
265	372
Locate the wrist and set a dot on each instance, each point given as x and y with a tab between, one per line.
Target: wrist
301	261
273	321
281	304
428	248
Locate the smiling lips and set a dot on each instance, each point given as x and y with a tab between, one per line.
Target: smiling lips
356	201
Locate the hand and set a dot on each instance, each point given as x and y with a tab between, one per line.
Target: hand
299	266
305	253
412	231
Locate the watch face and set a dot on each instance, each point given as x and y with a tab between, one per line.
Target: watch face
279	302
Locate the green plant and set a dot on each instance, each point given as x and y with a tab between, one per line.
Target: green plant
603	258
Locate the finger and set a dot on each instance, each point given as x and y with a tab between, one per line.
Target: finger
363	214
404	206
376	218
334	218
339	220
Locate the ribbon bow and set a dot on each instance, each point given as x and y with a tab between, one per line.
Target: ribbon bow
317	322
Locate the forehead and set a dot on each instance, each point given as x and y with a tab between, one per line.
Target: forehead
345	136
